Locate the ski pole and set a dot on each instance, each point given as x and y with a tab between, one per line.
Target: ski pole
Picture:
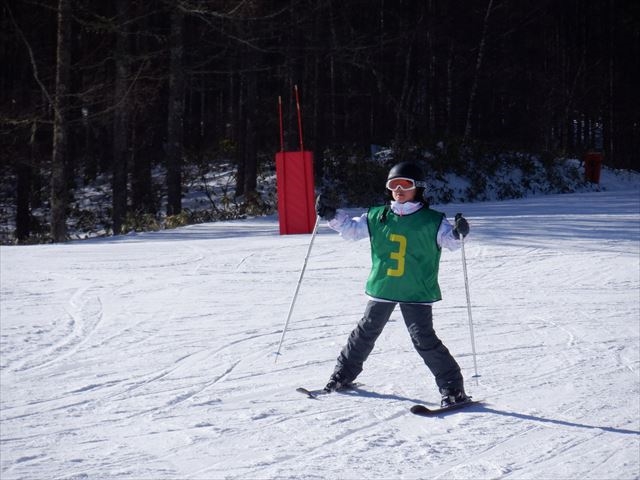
295	294
466	287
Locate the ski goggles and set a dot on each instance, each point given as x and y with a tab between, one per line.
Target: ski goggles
402	183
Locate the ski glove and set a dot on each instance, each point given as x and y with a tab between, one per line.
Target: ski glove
461	226
324	210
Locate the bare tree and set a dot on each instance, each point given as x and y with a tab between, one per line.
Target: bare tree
120	122
474	85
175	117
59	195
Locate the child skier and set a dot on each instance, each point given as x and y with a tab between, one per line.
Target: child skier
406	241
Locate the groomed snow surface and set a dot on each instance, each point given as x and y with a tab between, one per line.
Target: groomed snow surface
151	356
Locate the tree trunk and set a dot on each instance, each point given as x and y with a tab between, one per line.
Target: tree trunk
149	147
240	133
23	194
175	116
145	134
610	113
59	194
120	125
474	86
251	151
23	214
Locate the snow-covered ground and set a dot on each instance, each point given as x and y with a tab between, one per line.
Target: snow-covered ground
152	355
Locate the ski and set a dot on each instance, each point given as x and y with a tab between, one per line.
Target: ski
425	411
316	393
310	393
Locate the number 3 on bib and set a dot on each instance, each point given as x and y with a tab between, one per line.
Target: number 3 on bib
398	255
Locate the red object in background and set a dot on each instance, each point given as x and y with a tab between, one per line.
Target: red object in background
296	191
592	166
294	180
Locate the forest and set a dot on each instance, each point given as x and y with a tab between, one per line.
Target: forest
123	89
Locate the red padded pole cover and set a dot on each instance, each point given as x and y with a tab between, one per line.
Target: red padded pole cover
296	192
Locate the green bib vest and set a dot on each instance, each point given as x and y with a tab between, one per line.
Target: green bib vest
405	255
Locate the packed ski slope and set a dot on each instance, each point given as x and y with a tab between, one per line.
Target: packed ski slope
152	356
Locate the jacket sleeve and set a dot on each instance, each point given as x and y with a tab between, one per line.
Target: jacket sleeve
445	236
355	228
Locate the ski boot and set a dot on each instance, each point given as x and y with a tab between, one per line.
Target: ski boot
451	396
336	382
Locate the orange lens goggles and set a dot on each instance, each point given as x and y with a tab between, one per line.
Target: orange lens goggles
401	183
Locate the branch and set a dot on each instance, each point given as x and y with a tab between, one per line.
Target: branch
33	60
474	86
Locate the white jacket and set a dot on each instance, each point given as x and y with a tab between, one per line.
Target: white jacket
356	228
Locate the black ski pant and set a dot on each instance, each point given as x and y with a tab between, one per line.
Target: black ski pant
419	321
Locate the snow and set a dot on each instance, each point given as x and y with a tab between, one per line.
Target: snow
152	355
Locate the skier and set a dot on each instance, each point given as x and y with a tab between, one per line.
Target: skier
406	241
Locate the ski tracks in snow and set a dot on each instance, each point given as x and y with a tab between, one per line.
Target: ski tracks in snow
152	357
83	315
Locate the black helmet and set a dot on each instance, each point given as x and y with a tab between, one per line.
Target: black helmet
408	170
